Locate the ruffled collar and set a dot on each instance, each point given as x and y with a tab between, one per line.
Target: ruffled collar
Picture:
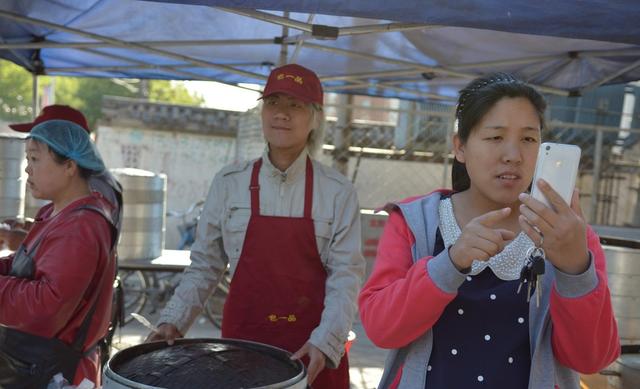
506	265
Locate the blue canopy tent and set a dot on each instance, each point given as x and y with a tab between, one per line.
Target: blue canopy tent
409	49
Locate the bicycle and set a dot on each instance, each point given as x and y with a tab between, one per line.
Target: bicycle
187	227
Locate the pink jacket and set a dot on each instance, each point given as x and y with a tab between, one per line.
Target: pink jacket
400	302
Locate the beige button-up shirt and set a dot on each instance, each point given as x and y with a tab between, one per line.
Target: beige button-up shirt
223	224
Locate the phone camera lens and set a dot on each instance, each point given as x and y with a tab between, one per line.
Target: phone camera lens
548	148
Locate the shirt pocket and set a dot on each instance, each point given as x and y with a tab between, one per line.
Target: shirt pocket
235	228
323	232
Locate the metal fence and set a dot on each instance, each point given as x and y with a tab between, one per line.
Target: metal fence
393	149
406	151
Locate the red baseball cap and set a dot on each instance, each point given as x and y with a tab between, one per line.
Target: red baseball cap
295	80
54	112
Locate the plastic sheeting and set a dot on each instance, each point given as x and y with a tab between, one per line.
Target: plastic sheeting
140	39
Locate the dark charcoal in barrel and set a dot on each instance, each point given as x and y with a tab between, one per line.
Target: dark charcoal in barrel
206	365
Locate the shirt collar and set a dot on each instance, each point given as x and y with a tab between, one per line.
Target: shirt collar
297	168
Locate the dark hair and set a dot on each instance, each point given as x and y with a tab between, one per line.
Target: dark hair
476	99
60	159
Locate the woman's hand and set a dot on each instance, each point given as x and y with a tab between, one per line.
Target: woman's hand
317	360
479	240
167	332
562	230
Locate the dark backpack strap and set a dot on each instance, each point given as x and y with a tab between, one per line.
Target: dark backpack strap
105	214
114	191
83	331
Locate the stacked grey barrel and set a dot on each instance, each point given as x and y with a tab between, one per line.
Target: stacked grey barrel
143	214
623	268
13	179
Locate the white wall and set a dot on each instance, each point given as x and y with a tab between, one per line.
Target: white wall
189	160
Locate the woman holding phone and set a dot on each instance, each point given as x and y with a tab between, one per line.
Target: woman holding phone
444	290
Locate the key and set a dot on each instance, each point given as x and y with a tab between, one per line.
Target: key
537	269
532	269
537	264
524	276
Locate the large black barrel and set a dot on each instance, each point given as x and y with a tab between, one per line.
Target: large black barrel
204	363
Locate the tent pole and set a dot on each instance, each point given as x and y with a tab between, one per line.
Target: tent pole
296	51
271	18
144	65
141	66
164	53
435	69
284	50
387	73
595	193
610	77
384	27
34	93
507	62
102	45
308	27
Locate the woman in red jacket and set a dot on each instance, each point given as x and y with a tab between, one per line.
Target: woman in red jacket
55	291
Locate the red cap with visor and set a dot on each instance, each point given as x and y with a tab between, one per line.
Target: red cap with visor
54	112
296	81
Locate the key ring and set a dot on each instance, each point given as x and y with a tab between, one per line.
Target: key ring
536	229
535	252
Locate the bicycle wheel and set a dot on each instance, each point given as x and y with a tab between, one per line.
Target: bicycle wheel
164	284
215	304
134	285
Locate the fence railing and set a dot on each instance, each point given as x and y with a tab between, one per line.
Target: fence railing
388	161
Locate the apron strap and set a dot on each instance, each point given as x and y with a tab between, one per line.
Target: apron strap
254	188
308	190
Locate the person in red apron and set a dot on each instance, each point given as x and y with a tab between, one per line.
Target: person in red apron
289	228
55	291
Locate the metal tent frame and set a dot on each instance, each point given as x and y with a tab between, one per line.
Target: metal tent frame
353	55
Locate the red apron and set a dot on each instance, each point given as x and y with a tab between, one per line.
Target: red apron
277	292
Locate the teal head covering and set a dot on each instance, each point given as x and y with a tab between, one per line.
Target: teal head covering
69	140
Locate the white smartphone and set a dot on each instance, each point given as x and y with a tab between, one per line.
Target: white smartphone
558	165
